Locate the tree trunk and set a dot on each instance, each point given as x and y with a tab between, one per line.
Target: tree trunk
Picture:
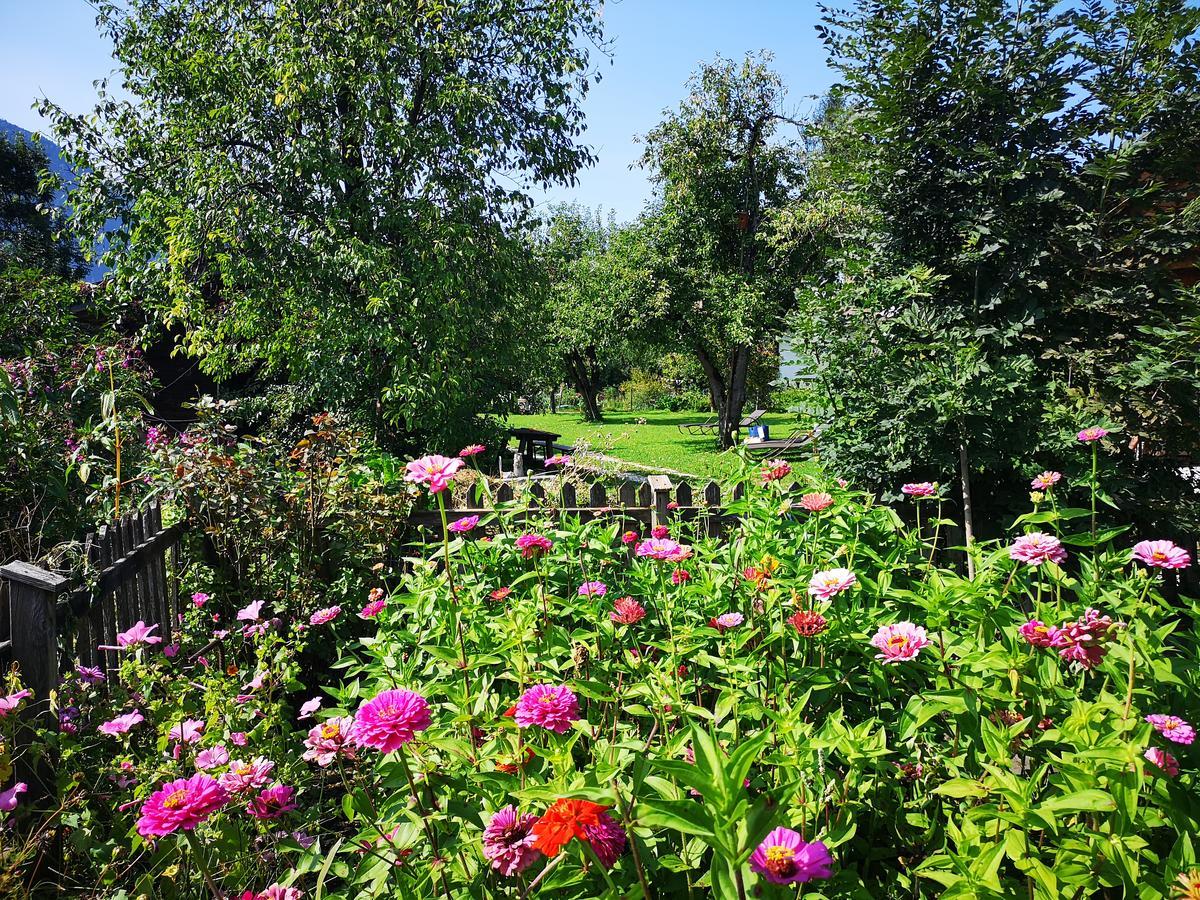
587	382
964	474
728	396
554	399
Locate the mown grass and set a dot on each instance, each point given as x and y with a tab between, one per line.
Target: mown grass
650	438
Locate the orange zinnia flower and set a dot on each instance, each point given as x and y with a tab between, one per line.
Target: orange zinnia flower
567	818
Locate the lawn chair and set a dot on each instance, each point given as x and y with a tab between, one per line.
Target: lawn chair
799	441
712	422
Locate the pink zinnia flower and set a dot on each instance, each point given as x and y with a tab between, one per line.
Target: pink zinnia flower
824	585
659	548
186	732
1045	481
309	707
816	502
725	621
238	738
324	616
434	471
774	470
251	613
500	594
372	609
137	635
784	858
560	459
1172	728
12	701
593	589
919	489
244	777
121	724
899	643
471	450
273	802
660	532
1085	641
1038	633
553	707
627	611
275	891
508	841
212	758
199	599
679	576
333	737
90	674
391	719
463	525
532	545
629	537
181	804
1036	548
1092	434
8	798
1163	761
1161	555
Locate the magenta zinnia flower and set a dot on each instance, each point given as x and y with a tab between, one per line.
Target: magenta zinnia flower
532	545
391	719
919	489
1036	548
899	643
785	858
137	635
824	585
372	609
471	450
1161	555
1038	633
434	471
12	701
183	803
593	589
1163	761
463	525
1172	728
8	798
629	537
332	738
774	470
508	841
553	707
322	616
661	549
660	532
1085	641
560	459
273	802
121	724
1045	481
1092	434
627	611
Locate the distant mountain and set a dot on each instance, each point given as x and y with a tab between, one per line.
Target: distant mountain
60	168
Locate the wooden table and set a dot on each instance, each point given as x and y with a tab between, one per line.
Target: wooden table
530	441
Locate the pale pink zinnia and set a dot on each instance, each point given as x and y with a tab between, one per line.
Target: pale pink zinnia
121	724
508	841
332	738
1172	728
212	758
725	621
593	589
560	459
434	471
899	643
324	616
1045	481
391	719
1163	761
1036	548
659	548
1161	555
181	804
137	635
784	857
553	707
816	502
919	489
187	732
824	585
244	777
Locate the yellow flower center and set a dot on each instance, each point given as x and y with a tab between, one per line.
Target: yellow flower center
330	730
778	853
176	799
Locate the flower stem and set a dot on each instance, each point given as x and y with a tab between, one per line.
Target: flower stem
202	863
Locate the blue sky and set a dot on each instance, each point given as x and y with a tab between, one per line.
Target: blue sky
51	48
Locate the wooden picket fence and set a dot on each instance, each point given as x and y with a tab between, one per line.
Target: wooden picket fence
657	501
55	620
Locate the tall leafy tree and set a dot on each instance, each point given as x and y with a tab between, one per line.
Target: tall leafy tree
1012	163
29	221
332	192
588	326
724	169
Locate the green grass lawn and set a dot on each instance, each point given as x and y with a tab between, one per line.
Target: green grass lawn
657	444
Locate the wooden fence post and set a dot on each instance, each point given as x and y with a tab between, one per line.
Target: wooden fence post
33	595
660	489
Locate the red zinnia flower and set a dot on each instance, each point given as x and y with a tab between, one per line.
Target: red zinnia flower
809	622
500	593
571	818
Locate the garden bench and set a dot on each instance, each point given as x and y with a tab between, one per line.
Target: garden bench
534	445
710	424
